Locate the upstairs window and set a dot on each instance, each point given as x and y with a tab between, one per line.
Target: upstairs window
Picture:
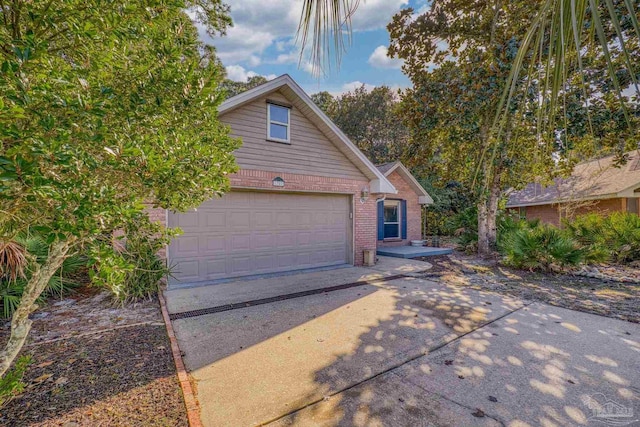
278	120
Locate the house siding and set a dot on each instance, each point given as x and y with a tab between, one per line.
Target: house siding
550	213
310	152
414	210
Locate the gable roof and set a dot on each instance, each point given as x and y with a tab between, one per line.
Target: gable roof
378	183
595	179
388	168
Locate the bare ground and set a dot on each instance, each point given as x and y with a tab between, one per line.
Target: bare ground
597	296
97	365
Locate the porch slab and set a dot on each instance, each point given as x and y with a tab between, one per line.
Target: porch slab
412	251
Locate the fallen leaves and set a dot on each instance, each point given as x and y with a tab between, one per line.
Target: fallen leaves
478	413
42	378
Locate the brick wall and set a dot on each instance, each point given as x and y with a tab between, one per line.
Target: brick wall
158	215
550	214
414	210
365	213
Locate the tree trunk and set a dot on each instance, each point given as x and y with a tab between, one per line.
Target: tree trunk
483	227
492	215
20	323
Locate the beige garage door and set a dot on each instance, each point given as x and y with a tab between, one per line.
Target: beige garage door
247	233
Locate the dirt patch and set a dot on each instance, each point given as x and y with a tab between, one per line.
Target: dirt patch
591	295
121	378
84	310
96	364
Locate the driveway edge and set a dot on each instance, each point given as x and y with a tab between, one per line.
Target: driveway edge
190	401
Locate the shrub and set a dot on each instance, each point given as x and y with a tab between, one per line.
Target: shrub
542	247
465	228
615	237
11	383
131	270
33	248
509	223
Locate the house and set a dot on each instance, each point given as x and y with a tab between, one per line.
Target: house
594	186
305	196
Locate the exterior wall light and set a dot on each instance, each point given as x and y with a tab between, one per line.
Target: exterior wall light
364	194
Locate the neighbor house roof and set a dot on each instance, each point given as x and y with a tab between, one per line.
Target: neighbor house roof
592	180
286	85
388	168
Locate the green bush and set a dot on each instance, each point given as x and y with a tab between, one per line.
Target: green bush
11	383
613	238
131	269
464	226
508	223
542	247
37	249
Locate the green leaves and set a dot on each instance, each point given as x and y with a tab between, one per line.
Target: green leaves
104	105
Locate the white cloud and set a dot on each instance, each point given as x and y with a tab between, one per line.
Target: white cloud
287	58
375	14
350	87
238	73
260	24
254	61
380	59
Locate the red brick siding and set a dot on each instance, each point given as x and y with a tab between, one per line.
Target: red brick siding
414	210
365	213
550	214
158	215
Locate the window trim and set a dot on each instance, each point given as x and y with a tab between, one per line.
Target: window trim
275	122
398	203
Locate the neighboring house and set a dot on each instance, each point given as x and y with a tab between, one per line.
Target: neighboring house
594	186
400	215
304	197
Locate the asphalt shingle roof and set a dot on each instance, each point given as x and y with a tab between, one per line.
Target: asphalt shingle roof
385	167
590	180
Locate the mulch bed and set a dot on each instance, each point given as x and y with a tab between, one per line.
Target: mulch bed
603	297
118	377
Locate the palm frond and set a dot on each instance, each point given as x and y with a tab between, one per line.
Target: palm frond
570	28
13	260
323	27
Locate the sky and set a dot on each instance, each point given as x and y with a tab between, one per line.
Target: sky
262	42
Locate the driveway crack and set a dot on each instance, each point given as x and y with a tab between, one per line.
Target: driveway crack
455	402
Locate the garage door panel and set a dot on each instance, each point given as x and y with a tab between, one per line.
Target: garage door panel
259	232
241	241
238	220
214	219
187	221
264	262
304	238
188	246
262	240
286	240
262	220
211	244
240	264
188	270
214	267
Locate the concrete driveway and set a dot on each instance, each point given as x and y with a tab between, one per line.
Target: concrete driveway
401	351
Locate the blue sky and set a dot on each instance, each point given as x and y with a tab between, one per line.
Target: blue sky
262	41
